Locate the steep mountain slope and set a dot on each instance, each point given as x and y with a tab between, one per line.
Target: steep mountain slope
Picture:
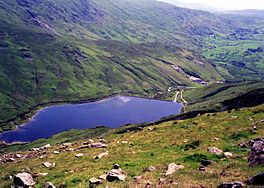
57	50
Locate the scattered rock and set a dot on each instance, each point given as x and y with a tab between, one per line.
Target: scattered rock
98	145
88	142
116	174
42	174
24	180
56	152
256	156
49	165
71	149
215	150
231	185
124	142
228	154
216	139
79	155
10	160
206	163
173	167
49	185
19	155
257	179
101	155
116	166
242	145
95	181
67	144
151	169
102	140
202	168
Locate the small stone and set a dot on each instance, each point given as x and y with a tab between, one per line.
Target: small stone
10	160
56	152
102	141
49	165
67	144
95	181
71	149
46	146
151	169
124	142
24	180
206	163
98	145
173	167
228	154
215	150
35	149
79	155
42	174
231	185
19	155
49	185
242	145
104	154
116	166
202	168
216	139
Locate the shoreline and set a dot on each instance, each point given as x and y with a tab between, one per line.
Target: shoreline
25	117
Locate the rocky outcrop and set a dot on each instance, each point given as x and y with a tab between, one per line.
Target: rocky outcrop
23	180
256	156
172	168
257	179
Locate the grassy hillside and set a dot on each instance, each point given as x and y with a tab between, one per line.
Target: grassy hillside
53	50
71	50
182	142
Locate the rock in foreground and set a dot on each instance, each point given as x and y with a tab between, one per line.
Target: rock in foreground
257	179
23	180
256	156
173	167
116	174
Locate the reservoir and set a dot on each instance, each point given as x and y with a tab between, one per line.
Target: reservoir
111	112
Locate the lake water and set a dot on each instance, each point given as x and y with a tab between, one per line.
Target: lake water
112	112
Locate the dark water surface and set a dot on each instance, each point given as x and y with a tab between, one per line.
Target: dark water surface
112	112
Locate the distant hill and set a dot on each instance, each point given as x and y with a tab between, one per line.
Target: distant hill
196	6
248	12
